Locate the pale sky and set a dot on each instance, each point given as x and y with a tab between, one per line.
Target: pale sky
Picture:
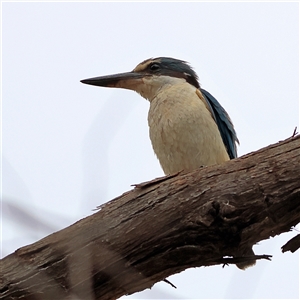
68	147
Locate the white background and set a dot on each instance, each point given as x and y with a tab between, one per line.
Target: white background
68	147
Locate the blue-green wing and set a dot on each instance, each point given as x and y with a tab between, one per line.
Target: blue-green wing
224	123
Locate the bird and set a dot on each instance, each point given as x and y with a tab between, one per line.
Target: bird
188	127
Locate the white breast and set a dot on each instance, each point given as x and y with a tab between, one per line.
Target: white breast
183	133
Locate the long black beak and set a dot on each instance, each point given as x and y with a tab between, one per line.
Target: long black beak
126	80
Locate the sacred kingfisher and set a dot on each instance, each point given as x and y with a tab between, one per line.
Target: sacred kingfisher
188	127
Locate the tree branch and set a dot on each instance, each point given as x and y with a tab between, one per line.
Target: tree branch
292	245
206	217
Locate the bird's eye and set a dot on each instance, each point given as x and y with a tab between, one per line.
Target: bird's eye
154	67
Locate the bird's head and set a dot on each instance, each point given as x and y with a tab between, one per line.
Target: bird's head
150	76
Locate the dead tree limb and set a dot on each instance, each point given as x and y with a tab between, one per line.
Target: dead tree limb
162	227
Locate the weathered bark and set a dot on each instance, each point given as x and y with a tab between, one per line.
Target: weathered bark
206	217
